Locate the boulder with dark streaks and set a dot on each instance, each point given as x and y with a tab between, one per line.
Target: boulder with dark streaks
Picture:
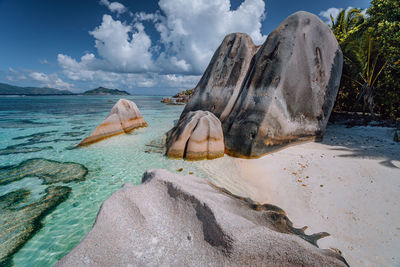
174	220
197	136
123	118
284	90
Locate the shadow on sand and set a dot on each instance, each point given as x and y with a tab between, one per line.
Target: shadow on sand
364	142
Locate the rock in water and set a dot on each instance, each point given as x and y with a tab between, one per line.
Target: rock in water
173	220
123	118
197	136
19	221
285	93
50	171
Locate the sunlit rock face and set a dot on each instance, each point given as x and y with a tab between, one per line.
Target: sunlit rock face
220	84
123	118
174	220
197	136
284	91
21	213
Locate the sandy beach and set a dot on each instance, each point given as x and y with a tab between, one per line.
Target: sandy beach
347	185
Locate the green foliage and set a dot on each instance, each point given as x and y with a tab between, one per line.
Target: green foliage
371	49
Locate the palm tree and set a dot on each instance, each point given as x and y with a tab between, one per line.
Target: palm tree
365	58
347	23
362	61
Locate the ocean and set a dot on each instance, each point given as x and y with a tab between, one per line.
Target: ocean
46	129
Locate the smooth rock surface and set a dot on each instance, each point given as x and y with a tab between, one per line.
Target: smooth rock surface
123	118
197	136
173	220
279	93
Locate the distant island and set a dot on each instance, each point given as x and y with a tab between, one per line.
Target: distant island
105	91
7	89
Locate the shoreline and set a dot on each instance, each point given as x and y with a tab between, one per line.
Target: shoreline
346	185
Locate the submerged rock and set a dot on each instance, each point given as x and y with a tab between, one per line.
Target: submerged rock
35	138
197	136
73	134
19	222
156	146
175	220
48	170
21	148
123	118
269	96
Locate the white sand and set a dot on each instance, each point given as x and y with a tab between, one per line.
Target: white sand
348	186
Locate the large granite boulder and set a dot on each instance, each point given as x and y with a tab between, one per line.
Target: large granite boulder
284	91
123	118
173	220
197	136
220	84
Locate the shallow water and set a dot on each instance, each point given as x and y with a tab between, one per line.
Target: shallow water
57	124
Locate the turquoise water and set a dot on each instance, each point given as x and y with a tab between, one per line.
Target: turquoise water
59	123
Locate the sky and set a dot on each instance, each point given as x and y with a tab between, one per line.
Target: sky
141	46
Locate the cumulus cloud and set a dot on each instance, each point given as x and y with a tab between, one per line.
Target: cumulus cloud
192	30
81	71
125	48
189	33
114	6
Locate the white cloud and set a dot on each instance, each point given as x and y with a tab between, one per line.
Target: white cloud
190	32
51	80
79	71
333	11
44	61
39	76
15	75
114	6
125	48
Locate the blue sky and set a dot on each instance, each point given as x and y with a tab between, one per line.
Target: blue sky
144	47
